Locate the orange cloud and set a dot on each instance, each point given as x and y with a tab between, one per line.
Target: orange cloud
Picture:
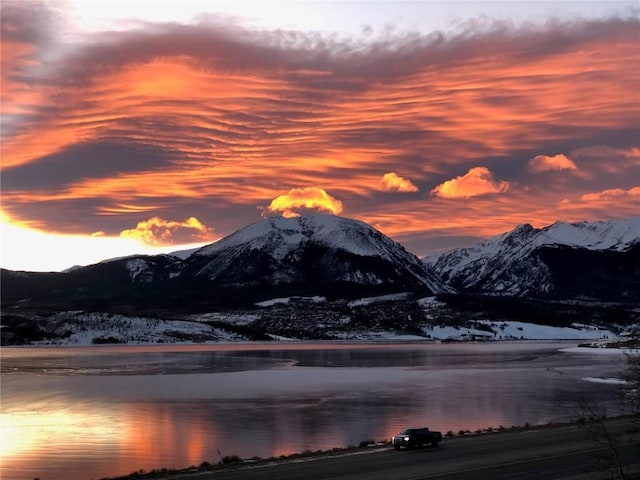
392	181
477	181
546	163
609	159
611	193
124	208
633	154
305	198
605	204
157	231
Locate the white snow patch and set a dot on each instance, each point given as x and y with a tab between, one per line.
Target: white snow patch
274	301
380	336
431	302
602	350
184	254
609	381
87	328
547	332
136	267
455	333
379	299
280	338
515	331
230	318
285	300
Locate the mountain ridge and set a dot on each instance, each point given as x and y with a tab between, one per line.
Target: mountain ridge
340	257
314	248
517	262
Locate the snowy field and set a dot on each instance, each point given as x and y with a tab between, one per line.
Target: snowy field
274	320
81	328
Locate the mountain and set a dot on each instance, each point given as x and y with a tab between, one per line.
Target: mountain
311	255
312	250
598	260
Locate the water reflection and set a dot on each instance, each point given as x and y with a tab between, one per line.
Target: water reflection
73	413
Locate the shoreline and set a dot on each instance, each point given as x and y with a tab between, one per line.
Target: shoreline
366	446
587	343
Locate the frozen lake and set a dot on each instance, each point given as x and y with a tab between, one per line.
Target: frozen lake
89	412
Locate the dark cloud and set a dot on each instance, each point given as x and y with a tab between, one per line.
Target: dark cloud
71	215
83	161
33	22
299	57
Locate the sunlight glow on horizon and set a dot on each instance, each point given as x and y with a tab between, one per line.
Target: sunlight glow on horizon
51	252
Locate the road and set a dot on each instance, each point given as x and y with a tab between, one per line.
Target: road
540	454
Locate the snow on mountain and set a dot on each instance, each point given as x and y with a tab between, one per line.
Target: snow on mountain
139	270
322	249
509	264
150	268
184	254
616	235
284	235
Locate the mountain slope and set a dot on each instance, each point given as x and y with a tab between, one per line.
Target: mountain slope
316	250
597	259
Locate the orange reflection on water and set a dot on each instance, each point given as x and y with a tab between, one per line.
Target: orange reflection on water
34	432
158	437
140	437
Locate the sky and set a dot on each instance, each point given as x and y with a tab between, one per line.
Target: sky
140	127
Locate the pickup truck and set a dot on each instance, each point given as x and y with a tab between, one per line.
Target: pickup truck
415	437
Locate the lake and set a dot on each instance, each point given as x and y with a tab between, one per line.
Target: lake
90	412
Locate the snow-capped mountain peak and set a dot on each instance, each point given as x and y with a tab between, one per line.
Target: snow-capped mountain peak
283	235
513	262
320	249
615	234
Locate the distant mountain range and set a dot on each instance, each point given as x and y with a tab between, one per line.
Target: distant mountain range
341	258
597	261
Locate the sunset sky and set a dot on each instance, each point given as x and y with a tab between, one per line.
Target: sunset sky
147	126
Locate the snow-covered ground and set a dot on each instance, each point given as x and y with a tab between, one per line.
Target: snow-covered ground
379	299
286	300
229	318
518	331
608	381
83	328
501	331
90	328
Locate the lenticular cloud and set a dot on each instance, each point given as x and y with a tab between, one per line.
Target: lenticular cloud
477	181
